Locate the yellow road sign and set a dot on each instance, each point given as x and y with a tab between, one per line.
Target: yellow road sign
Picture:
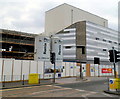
114	83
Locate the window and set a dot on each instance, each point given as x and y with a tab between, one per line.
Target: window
104	40
83	49
115	42
110	41
97	38
104	50
67	47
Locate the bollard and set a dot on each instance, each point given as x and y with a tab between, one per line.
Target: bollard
4	81
108	84
23	80
39	78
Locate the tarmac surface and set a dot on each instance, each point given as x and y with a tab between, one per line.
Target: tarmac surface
65	87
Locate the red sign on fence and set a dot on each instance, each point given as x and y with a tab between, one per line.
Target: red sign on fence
106	70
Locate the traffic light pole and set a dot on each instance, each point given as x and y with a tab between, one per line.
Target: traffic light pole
54	73
114	62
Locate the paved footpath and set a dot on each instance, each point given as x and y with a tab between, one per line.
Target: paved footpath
57	90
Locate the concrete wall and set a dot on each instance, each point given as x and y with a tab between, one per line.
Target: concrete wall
81	41
64	15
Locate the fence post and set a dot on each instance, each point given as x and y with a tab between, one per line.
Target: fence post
108	84
23	80
4	81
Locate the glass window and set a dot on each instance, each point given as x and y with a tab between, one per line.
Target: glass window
97	38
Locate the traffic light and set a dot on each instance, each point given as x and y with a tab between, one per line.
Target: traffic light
111	56
52	58
117	56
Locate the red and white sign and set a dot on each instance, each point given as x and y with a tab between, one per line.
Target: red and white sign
106	70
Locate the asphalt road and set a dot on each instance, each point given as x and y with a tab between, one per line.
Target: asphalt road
81	89
97	86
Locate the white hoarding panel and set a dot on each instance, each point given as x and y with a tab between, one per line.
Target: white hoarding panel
42	48
17	70
8	69
96	69
1	62
25	69
67	68
77	71
63	71
92	69
48	76
74	71
100	69
41	68
33	66
71	69
84	69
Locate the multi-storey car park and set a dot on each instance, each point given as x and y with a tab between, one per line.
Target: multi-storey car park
17	45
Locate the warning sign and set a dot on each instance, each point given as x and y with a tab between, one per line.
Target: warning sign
33	79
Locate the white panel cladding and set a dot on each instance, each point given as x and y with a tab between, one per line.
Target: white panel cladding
69	43
99	40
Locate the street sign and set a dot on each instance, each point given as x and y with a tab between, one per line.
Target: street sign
114	84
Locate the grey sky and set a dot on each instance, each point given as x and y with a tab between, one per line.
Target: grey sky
28	15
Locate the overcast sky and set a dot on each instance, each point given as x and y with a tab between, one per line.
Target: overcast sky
29	15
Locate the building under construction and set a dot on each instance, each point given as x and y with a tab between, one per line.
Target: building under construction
17	45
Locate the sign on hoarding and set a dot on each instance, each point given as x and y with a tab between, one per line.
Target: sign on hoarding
106	70
42	48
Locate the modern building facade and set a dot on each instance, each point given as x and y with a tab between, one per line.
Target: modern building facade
16	45
85	40
64	15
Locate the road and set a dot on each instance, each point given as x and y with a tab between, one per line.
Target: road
82	89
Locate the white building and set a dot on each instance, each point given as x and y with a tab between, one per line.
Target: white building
64	15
